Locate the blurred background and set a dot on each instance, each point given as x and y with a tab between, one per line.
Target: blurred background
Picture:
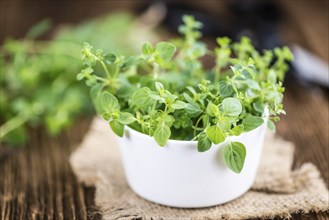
41	43
40	57
302	22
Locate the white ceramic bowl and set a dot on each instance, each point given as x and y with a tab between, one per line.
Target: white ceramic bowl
178	175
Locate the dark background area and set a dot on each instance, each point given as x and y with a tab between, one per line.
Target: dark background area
299	21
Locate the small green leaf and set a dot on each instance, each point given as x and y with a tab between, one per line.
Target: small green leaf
95	92
110	58
252	122
39	29
232	106
205	119
258	106
188	98
106	115
178	105
109	102
155	95
234	156
193	110
237	130
91	81
225	89
223	41
141	99
159	86
253	84
224	124
169	97
162	134
212	109
16	136
271	125
80	76
117	127
147	48
164	51
215	134
246	75
272	76
168	120
204	143
126	118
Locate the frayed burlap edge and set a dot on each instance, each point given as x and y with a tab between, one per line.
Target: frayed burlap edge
277	192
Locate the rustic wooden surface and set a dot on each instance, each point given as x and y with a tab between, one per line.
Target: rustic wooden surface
36	182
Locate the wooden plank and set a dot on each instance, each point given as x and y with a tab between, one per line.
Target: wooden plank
36	182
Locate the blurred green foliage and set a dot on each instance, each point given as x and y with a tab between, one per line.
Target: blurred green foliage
38	78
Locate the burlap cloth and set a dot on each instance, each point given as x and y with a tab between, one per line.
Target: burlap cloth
277	192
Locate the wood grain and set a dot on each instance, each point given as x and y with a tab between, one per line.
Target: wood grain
36	182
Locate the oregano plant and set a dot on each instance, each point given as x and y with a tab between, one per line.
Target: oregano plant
166	92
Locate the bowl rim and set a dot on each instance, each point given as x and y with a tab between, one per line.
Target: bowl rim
129	129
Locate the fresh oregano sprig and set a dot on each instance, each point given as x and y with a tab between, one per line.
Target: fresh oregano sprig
38	85
167	93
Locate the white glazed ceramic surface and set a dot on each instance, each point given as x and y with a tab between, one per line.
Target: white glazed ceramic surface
178	175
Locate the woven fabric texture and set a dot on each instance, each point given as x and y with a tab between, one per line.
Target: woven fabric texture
277	192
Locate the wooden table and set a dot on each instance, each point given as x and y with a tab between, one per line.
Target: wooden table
36	182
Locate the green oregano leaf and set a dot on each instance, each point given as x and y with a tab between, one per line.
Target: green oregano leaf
141	99
232	106
193	110
164	52
95	93
188	98
91	81
234	156
80	76
224	124
38	29
159	86
253	84
252	122
147	48
126	118
258	106
117	127
109	102
237	130
212	109
225	89
271	125
162	134
110	58
178	105
204	143
215	134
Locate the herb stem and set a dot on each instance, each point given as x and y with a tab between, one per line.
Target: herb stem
196	124
12	124
105	68
102	79
155	70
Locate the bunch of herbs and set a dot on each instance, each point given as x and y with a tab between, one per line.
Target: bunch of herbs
38	85
167	93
